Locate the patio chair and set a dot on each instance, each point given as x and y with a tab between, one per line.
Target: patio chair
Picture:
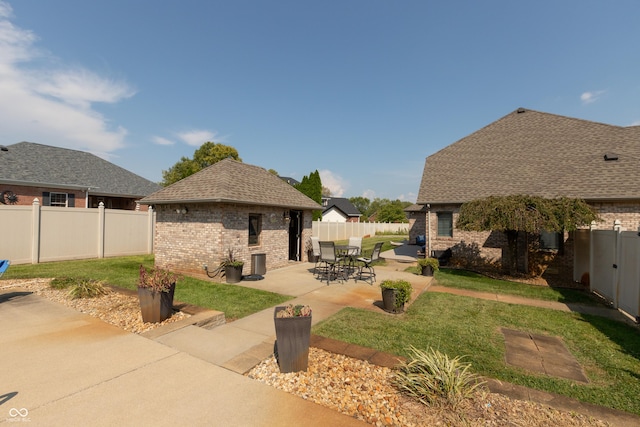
370	274
4	265
319	266
332	262
352	254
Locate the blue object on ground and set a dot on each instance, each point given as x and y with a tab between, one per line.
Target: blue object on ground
4	265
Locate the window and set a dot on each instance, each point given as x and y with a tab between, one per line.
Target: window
445	224
63	200
550	240
255	228
58	199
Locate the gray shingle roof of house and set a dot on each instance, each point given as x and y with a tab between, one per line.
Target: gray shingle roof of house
28	163
230	181
344	205
535	153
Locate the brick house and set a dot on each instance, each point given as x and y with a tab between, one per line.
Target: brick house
534	153
230	205
67	178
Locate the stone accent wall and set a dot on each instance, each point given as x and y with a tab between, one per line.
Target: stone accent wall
204	235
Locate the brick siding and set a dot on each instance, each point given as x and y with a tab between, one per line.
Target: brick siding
204	235
490	245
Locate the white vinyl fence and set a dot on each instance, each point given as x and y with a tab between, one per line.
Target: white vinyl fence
613	266
34	234
343	230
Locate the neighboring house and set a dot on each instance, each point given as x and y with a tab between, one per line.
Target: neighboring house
339	209
534	153
290	181
67	178
230	205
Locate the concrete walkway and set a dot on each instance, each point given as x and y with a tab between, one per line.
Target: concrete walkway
242	344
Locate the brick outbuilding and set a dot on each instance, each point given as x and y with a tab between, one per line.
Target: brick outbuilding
230	205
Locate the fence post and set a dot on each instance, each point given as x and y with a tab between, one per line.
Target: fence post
151	230
101	230
35	231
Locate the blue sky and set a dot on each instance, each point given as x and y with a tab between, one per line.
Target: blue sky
361	90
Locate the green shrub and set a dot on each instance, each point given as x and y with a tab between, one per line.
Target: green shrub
87	288
433	378
403	287
433	262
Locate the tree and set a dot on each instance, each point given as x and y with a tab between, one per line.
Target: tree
311	186
392	212
208	154
362	204
530	214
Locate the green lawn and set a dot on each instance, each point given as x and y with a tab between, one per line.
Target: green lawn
463	279
609	351
235	301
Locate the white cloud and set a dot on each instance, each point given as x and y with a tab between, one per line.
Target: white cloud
590	97
161	141
196	137
51	104
409	197
369	194
636	123
335	183
81	88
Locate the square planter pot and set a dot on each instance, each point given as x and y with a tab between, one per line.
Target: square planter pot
293	335
156	306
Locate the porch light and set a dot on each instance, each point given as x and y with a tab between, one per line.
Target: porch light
286	216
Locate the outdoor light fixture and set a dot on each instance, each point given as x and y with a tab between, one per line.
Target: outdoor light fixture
183	210
285	216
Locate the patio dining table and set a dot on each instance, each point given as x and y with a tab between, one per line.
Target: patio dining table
349	253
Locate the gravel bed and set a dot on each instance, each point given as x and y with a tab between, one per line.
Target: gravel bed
115	308
353	387
364	391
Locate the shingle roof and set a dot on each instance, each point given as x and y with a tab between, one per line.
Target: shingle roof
230	181
28	163
535	153
344	205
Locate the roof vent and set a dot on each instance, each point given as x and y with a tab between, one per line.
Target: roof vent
610	156
520	110
3	148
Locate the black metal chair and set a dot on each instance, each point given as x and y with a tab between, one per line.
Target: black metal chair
370	274
331	262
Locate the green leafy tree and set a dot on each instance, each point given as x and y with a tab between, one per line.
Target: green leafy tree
208	154
362	204
311	186
392	212
530	214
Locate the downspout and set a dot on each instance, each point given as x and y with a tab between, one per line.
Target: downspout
428	254
86	199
